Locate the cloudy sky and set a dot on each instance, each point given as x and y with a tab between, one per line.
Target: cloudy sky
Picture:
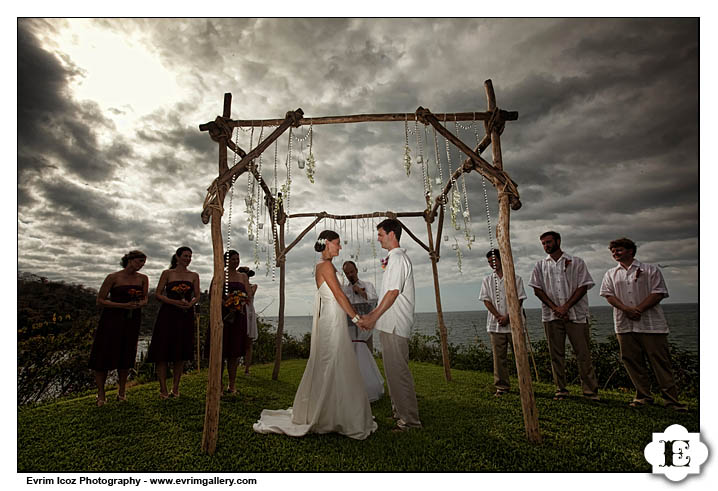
110	157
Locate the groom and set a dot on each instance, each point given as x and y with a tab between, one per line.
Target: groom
394	317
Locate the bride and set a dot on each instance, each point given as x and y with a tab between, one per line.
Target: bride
331	396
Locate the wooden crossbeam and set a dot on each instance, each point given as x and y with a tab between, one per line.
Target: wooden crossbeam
370	118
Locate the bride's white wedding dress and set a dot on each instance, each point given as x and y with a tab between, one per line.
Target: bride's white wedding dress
331	396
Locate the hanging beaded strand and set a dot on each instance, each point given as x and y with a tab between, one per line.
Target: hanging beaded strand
427	190
438	163
488	216
260	201
407	150
455	197
429	185
249	200
466	213
277	201
229	221
373	248
287	187
311	163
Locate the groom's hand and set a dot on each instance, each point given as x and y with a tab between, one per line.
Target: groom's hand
367	322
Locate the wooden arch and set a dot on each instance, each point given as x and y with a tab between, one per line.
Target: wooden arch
220	130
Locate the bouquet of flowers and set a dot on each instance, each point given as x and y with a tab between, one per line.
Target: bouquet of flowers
180	289
235	303
135	296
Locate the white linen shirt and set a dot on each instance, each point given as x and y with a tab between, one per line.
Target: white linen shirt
356	298
623	284
489	286
398	275
558	280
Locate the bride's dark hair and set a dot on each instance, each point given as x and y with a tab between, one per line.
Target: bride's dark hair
326	235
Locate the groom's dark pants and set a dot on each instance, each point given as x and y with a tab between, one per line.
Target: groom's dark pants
395	353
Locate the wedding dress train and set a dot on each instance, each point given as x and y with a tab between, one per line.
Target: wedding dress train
331	396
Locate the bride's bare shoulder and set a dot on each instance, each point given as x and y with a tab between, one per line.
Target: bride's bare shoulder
325	269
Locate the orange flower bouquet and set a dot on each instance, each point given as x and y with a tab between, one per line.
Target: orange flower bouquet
235	302
135	296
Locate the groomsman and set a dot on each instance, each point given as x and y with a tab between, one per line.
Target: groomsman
561	281
394	317
493	294
635	290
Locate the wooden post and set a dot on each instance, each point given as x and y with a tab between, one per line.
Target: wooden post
528	401
439	312
196	323
214	380
281	219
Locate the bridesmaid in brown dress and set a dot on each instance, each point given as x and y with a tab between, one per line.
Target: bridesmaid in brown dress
173	335
115	344
234	319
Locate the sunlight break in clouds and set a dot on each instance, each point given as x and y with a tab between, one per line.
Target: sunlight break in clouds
119	72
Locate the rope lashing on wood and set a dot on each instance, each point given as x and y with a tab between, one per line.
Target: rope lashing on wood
295	117
220	129
495	123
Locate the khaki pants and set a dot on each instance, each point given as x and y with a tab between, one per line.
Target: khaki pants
556	332
635	348
499	347
395	353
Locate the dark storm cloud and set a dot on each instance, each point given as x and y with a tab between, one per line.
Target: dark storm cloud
51	126
169	127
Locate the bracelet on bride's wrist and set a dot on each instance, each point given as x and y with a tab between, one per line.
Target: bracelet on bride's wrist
355	319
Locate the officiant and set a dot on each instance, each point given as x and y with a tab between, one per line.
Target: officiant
362	295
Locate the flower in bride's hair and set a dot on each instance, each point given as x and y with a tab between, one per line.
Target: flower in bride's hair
321	241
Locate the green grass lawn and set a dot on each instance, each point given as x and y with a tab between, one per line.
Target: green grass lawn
465	429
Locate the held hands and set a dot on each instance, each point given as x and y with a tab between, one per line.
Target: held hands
183	304
633	313
503	320
367	322
561	312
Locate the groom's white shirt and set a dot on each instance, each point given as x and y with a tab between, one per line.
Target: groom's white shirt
398	275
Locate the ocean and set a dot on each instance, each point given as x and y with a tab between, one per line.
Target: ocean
469	327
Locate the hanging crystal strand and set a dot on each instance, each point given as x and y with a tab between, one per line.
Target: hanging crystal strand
407	150
427	190
287	187
373	249
429	185
311	163
459	255
229	221
438	163
275	208
316	259
491	236
466	213
358	243
260	192
455	197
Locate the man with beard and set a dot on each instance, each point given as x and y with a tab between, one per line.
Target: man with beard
561	281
